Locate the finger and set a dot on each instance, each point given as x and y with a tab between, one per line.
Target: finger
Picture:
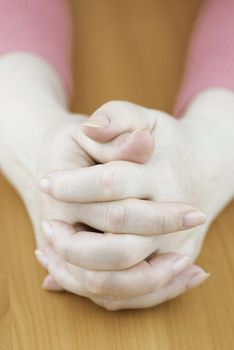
137	146
126	130
118	117
98	251
187	279
143	278
156	218
58	270
50	284
62	276
101	182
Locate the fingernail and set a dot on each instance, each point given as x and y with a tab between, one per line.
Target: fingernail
193	218
41	257
45	184
47	229
197	279
98	121
180	264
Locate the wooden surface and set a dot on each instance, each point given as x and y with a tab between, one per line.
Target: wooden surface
131	50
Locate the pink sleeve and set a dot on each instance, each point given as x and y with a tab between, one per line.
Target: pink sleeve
210	60
42	27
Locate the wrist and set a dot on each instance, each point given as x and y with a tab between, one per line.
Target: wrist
33	103
209	124
29	77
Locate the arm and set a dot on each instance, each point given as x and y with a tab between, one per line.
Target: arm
210	61
35	50
39	27
35	81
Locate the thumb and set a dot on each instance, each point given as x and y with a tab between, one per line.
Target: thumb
117	117
121	131
137	147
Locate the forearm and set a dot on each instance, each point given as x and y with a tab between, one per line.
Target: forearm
33	106
35	49
28	85
210	59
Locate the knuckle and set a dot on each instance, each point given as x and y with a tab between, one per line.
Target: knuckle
109	105
60	246
113	106
160	222
154	279
96	282
121	256
153	224
109	182
116	218
148	283
67	249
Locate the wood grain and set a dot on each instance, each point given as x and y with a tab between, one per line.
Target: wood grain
131	50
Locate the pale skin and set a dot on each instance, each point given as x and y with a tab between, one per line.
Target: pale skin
186	170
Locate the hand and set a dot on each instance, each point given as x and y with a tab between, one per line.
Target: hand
185	158
217	203
48	139
75	251
146	284
89	251
38	135
156	191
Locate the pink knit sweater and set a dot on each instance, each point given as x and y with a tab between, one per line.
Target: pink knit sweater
210	61
43	27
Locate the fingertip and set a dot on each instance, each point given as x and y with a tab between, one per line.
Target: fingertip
193	218
99	128
41	257
197	278
192	276
50	284
97	121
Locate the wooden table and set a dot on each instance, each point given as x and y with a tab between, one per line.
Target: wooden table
130	50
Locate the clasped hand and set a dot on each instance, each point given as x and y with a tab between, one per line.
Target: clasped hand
121	224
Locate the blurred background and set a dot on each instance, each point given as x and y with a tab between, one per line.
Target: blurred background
130	50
